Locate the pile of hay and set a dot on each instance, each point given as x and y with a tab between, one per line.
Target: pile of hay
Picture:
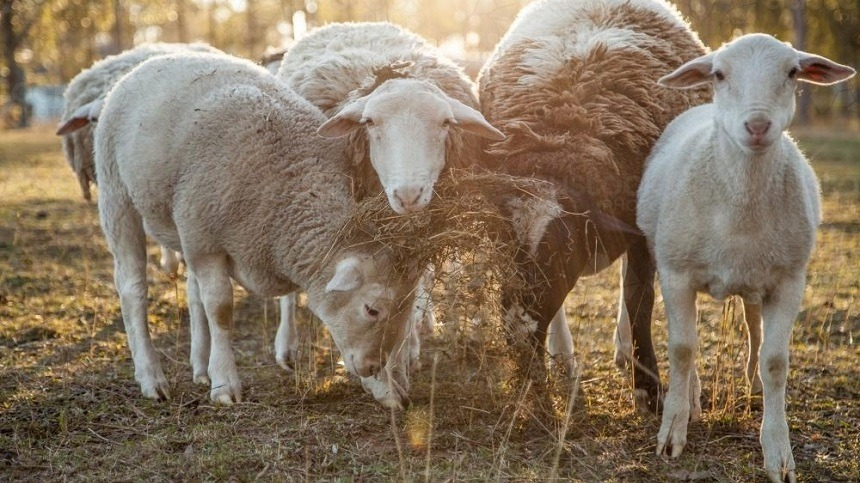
465	234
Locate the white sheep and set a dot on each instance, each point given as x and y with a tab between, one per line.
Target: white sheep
730	206
83	98
212	156
409	113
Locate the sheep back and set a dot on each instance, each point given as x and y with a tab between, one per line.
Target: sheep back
230	163
94	83
577	96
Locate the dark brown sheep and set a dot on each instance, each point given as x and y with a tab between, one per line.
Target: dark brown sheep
573	86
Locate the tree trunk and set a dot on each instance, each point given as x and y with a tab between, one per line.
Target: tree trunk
181	33
798	16
16	87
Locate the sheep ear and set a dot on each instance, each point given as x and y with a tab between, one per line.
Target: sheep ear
472	121
347	276
695	72
816	69
344	122
82	116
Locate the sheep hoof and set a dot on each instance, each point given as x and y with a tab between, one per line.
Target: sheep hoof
782	476
154	385
648	401
226	395
202	379
287	361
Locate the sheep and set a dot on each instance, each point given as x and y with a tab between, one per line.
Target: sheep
83	98
572	86
408	111
730	206
406	108
212	156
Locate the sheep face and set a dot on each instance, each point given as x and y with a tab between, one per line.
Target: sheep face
407	123
365	309
754	79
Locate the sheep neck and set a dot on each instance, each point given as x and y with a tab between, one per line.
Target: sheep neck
745	178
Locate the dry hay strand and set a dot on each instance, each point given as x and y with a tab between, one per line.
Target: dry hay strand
465	235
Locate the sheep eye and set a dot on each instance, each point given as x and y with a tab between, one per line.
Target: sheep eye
371	311
367	122
447	123
719	75
792	73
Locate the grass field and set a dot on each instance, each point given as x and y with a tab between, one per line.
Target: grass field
71	410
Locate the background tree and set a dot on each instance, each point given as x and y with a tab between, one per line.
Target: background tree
17	17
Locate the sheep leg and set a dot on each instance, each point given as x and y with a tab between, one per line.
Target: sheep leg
623	334
778	313
638	290
752	317
125	236
200	339
287	337
216	292
560	342
169	261
680	301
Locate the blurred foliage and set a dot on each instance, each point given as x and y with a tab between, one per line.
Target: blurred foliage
69	35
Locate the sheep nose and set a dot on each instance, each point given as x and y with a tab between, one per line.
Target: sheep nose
757	127
408	197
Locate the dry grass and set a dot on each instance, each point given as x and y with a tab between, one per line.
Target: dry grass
70	409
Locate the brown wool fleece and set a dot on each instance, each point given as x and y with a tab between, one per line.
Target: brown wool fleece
592	124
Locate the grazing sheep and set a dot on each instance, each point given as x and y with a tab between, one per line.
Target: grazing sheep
409	112
572	85
730	207
83	99
212	156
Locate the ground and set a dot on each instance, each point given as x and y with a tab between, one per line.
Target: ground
70	409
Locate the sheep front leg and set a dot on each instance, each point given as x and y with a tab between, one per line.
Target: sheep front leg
123	229
752	317
680	301
216	291
287	337
560	342
779	311
200	339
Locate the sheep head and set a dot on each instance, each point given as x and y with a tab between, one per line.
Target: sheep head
365	307
407	122
754	79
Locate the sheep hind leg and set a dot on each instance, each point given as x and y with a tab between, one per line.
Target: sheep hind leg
169	261
287	337
623	335
752	317
123	228
638	293
216	293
